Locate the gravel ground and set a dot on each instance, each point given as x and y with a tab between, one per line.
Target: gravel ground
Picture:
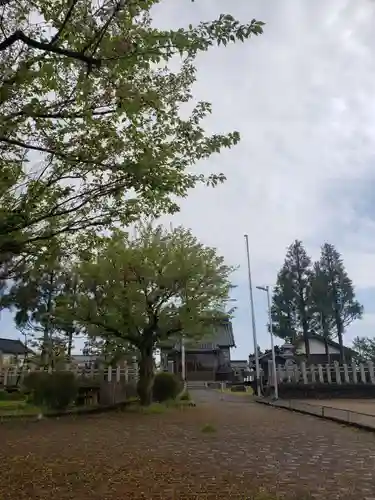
126	455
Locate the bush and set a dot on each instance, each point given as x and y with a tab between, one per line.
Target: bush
55	390
166	386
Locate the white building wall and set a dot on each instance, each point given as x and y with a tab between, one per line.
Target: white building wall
316	347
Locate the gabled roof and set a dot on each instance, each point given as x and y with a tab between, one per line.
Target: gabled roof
222	336
14	347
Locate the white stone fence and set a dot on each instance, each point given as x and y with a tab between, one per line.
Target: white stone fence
353	373
14	375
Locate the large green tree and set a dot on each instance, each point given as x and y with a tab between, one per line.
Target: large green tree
336	299
149	288
291	301
90	128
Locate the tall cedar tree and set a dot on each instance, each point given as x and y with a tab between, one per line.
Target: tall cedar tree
291	314
154	287
321	310
340	303
90	126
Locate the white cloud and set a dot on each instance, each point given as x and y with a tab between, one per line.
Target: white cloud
302	96
363	328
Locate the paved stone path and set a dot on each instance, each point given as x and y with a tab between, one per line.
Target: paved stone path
290	450
125	455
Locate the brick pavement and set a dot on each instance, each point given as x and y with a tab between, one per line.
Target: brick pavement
331	460
168	457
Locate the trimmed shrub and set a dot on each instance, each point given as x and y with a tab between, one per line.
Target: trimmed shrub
55	390
166	386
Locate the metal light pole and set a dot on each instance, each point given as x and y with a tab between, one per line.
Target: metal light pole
257	371
275	382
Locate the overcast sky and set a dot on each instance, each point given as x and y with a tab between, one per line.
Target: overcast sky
303	98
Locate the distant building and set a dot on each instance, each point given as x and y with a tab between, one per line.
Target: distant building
240	369
318	353
294	354
13	352
205	360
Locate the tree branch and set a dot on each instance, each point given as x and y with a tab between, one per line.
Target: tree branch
19	36
50	151
62	114
56	37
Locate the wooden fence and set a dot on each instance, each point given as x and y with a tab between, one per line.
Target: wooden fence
14	375
353	373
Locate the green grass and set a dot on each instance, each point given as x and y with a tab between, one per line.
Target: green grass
208	429
249	392
8	408
158	408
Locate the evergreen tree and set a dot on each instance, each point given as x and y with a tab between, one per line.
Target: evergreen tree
291	303
337	297
283	308
321	316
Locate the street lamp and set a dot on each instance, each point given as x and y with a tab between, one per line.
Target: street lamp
275	383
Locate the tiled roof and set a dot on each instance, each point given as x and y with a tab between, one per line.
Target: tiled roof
221	337
14	347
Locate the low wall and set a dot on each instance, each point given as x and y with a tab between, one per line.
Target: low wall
326	391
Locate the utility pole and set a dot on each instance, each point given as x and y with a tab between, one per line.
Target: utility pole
257	370
275	382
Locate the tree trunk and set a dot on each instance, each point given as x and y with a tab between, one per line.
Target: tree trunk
70	345
325	338
305	328
339	337
146	375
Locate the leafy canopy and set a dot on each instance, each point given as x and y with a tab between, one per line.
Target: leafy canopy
365	347
155	286
90	128
35	288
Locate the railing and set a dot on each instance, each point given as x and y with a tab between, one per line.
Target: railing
361	373
14	375
340	414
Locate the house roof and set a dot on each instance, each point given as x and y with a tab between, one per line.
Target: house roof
14	347
267	356
222	336
239	363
